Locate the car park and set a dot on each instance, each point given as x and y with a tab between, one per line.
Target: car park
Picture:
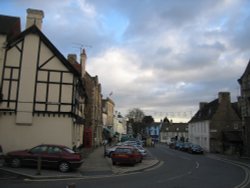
126	155
51	156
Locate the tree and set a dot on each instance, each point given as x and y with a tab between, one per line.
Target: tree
135	114
148	120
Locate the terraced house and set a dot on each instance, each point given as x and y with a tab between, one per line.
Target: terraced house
217	126
42	94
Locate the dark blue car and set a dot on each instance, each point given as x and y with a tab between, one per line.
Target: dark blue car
195	148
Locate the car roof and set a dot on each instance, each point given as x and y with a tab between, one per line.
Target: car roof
53	145
130	147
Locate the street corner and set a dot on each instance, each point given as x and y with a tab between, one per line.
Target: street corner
145	165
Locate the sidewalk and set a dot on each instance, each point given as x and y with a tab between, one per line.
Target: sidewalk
95	165
235	159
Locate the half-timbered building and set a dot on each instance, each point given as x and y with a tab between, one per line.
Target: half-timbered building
42	94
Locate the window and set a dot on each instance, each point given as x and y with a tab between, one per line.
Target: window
39	149
54	150
236	126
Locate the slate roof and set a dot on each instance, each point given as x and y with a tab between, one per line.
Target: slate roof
247	72
172	127
209	109
10	26
207	112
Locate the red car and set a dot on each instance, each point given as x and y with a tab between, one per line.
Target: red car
126	155
56	156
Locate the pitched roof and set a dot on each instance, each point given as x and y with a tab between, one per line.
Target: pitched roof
35	30
174	127
247	72
10	26
206	112
209	109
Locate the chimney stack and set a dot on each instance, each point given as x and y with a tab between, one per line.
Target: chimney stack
224	97
72	58
83	62
202	104
34	17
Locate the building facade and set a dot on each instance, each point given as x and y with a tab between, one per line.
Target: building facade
244	101
42	94
153	130
217	126
108	117
173	131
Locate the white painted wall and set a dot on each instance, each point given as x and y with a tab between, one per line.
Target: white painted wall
199	134
47	130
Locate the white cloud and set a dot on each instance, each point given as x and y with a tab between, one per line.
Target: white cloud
163	56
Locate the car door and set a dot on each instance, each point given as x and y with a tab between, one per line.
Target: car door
52	157
33	155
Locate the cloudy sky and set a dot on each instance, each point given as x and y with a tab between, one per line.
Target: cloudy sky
162	56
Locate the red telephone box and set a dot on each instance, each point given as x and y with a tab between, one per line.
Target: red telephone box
87	139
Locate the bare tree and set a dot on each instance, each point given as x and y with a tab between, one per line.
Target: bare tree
136	115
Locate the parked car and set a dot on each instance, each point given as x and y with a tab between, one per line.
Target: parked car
1	156
179	145
133	143
141	150
109	151
126	155
172	145
186	146
56	156
195	148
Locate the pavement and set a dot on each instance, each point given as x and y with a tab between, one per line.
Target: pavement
95	165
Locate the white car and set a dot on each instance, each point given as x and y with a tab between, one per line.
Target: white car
110	150
141	150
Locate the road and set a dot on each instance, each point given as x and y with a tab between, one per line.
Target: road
177	170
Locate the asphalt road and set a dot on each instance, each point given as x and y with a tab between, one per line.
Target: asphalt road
177	170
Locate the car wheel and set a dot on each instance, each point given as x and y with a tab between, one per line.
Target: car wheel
113	162
15	163
64	167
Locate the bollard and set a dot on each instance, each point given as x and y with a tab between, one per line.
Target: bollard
39	163
71	185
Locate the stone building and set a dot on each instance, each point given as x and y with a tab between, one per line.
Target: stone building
93	108
217	126
244	101
42	94
173	131
108	117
